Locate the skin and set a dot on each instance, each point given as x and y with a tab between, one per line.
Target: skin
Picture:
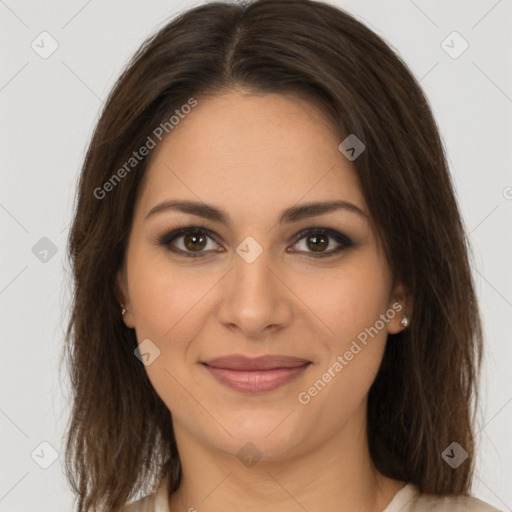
253	156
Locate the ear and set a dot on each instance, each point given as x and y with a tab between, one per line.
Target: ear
401	304
123	297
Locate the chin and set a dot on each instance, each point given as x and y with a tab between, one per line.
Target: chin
269	436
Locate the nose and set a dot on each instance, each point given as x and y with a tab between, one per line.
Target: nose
255	300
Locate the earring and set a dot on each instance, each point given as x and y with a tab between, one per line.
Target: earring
405	321
123	311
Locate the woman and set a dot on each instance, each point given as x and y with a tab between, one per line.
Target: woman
273	303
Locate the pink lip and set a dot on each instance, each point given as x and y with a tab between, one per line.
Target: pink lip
256	375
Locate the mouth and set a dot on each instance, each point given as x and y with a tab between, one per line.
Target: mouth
255	375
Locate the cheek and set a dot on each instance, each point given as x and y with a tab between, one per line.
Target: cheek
166	299
341	382
346	299
168	310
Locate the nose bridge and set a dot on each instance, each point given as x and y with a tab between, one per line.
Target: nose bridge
254	298
251	266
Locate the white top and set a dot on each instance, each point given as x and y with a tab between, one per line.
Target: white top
407	499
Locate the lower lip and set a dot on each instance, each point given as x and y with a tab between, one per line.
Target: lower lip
256	381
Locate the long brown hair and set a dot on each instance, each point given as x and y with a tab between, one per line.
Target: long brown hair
120	439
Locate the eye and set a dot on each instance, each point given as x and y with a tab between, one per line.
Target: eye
317	240
193	241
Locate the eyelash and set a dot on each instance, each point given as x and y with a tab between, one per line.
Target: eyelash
344	241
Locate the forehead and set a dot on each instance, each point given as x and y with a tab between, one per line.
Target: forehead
249	152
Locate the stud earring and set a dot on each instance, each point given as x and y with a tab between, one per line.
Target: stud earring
123	311
405	321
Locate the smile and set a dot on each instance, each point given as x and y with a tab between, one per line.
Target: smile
256	381
256	375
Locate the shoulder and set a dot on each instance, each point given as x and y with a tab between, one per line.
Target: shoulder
156	502
435	503
427	503
146	504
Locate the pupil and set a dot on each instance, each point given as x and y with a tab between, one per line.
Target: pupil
315	238
193	239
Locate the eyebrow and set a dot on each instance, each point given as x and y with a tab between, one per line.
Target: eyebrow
292	214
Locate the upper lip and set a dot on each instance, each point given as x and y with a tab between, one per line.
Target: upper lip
267	362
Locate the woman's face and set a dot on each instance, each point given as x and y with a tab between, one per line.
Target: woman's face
248	280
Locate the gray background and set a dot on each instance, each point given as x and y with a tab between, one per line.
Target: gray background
49	108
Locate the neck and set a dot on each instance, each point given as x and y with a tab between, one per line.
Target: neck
336	476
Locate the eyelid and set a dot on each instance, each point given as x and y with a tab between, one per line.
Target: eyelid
344	242
179	232
332	232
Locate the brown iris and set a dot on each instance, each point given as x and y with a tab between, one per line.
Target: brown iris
194	241
320	242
